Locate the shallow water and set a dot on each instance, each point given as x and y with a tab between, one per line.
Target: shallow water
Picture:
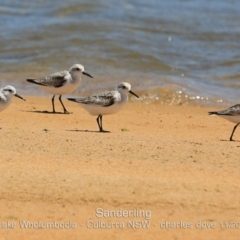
175	52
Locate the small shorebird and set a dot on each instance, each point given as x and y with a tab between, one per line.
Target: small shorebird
232	114
60	83
106	103
6	95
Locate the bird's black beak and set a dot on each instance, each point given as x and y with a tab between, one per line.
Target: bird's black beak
16	95
87	74
134	93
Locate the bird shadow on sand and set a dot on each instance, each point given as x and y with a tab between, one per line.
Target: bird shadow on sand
76	130
227	140
47	112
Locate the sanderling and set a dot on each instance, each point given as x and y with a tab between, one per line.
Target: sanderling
60	83
6	94
232	114
105	103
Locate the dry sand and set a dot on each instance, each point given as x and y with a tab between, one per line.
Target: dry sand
175	161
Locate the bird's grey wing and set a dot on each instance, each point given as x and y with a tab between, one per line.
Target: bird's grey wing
234	110
104	99
54	80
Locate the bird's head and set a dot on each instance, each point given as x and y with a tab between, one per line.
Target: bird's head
125	87
78	70
11	91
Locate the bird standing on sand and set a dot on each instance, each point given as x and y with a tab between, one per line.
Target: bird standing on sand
106	103
59	83
6	95
231	114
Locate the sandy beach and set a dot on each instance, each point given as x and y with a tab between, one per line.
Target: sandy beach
173	161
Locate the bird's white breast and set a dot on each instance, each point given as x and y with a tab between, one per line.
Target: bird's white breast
234	119
5	104
96	110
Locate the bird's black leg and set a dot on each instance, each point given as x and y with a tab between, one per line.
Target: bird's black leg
98	122
233	132
65	110
101	123
53	103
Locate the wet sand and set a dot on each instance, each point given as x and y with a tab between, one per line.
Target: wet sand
175	161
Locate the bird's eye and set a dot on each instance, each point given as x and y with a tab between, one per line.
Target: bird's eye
123	87
78	69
